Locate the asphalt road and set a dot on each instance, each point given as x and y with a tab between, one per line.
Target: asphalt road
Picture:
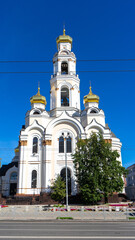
66	230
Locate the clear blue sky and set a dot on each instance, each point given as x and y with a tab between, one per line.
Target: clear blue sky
100	30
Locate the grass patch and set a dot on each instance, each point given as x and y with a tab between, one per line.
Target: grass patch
131	218
65	218
58	205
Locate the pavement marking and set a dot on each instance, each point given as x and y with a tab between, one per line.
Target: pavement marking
67	230
66	237
51	223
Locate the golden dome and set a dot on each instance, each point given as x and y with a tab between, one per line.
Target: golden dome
17	149
91	97
38	98
64	38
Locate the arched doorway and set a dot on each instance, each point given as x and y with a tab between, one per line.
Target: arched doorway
63	176
13	183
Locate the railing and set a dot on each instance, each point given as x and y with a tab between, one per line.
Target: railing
43	212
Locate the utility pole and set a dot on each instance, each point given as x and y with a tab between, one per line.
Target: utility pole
65	150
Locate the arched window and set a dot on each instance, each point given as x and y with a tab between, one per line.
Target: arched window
13	176
64	68
34	179
69	145
93	111
35	145
61	145
64	96
36	112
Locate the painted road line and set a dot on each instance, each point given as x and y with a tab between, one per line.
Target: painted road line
65	237
68	230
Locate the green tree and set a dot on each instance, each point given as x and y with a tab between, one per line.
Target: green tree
58	189
97	169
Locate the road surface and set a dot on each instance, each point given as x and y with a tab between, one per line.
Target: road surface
66	230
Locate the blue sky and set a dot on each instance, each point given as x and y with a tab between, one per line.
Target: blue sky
100	30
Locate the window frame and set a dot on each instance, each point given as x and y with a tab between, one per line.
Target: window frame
35	145
34	179
66	102
62	144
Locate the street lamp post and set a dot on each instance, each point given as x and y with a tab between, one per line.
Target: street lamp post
66	172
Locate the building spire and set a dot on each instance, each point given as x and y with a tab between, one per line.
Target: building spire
38	88
64	30
90	89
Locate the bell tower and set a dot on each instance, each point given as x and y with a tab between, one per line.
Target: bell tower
65	84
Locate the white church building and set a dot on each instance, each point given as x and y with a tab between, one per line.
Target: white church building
49	136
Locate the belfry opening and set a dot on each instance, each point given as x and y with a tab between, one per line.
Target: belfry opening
64	68
64	96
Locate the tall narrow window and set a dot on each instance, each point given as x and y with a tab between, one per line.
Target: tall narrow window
61	145
64	96
13	176
34	179
35	145
64	68
69	145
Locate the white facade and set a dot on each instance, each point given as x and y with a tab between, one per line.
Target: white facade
130	188
65	120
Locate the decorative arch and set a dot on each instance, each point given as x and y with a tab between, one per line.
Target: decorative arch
35	125
95	125
65	118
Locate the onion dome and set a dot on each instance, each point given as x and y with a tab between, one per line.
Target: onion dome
38	98
91	97
17	149
64	38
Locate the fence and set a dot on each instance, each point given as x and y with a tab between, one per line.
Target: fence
41	212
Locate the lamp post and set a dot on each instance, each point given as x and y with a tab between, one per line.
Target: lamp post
65	150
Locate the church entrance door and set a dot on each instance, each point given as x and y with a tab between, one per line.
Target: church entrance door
63	176
13	188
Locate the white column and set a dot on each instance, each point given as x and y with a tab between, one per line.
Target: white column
43	169
59	66
21	172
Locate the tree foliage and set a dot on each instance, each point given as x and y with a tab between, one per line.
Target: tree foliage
97	169
58	189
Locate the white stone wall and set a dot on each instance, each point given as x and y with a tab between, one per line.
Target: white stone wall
5	181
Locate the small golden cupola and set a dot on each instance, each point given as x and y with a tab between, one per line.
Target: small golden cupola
91	99
17	149
38	100
64	39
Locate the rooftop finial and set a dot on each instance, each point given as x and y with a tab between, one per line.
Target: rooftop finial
90	89
38	88
64	29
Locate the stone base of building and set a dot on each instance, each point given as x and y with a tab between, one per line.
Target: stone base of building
22	199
